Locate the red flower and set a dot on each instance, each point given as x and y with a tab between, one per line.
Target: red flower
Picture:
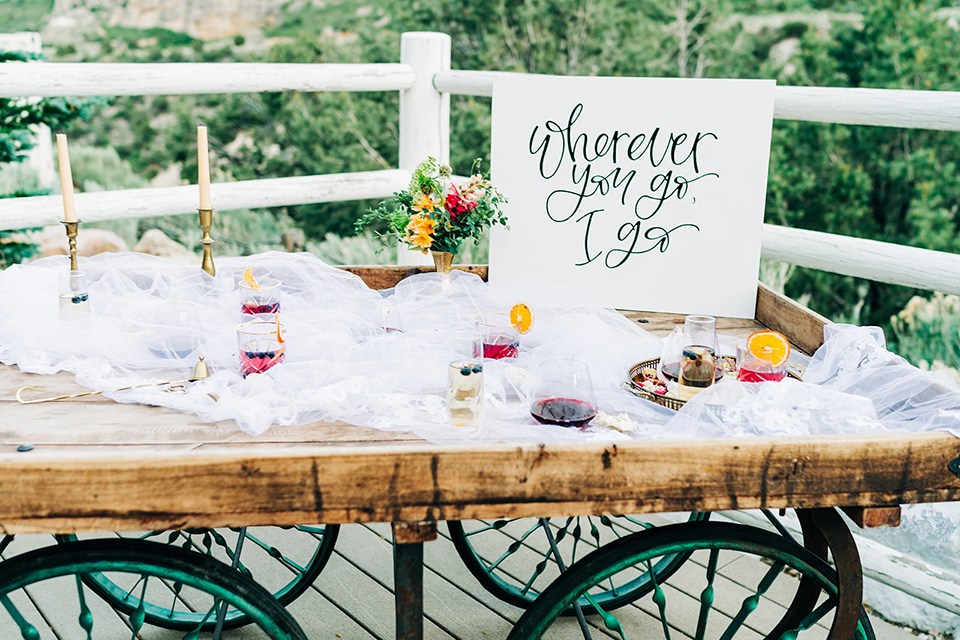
457	204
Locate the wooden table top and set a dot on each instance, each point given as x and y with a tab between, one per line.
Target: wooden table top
96	465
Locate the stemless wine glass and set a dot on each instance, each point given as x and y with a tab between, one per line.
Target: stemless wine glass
262	346
176	330
465	392
382	315
499	335
261	299
563	394
698	361
74	296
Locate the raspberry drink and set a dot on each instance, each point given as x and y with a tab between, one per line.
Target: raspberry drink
257	308
259	361
498	347
757	372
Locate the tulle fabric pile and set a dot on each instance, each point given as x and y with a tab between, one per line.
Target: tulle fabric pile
339	366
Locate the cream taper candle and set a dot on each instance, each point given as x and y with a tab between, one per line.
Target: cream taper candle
203	168
66	179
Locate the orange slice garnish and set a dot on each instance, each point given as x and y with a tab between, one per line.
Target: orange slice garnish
522	316
280	337
770	346
248	278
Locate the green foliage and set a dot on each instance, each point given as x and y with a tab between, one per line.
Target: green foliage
926	330
24	15
896	185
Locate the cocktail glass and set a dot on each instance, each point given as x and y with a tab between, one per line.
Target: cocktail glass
262	346
465	392
499	336
74	296
755	367
260	300
563	394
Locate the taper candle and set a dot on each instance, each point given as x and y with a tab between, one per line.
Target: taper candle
203	168
66	179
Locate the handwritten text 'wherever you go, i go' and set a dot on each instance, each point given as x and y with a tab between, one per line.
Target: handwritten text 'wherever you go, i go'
558	144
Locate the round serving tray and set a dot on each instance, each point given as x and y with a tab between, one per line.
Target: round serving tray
666	401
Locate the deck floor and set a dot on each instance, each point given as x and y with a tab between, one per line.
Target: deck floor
353	598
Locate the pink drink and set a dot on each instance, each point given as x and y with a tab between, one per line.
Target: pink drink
564	412
252	308
762	373
498	347
259	361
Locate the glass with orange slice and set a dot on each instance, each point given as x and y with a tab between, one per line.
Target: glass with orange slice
763	357
261	296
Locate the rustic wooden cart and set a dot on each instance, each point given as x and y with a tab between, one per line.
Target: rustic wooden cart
100	466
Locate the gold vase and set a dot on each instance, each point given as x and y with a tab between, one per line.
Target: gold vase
442	261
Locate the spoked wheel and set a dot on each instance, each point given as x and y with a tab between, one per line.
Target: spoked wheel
142	575
283	560
514	559
696	601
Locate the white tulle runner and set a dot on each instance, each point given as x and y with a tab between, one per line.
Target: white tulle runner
340	367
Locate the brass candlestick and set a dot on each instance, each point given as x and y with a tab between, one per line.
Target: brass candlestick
206	221
72	228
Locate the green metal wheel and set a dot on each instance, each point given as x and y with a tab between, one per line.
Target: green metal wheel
697	601
142	575
283	560
514	559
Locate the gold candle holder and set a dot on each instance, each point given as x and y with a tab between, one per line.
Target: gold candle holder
206	221
72	228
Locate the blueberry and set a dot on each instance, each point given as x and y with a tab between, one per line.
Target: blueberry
465	371
79	298
477	368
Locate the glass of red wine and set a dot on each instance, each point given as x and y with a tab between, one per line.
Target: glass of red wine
563	394
260	297
262	346
698	358
499	336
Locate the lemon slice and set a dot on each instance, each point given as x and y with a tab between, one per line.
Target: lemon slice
770	346
522	316
280	337
248	278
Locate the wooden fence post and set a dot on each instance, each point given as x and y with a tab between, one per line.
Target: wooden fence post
424	112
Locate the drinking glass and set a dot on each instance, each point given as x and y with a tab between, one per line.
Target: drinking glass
382	314
753	367
499	336
262	346
698	359
260	300
563	394
74	296
176	330
466	344
465	392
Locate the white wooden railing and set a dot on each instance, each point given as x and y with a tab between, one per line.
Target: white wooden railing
426	82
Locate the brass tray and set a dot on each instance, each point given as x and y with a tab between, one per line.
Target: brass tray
633	386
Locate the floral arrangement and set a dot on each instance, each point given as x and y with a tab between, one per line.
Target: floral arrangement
435	214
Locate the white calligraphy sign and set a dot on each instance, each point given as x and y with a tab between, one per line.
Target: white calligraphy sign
646	191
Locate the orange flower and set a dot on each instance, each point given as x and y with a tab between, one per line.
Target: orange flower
420	231
424	203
